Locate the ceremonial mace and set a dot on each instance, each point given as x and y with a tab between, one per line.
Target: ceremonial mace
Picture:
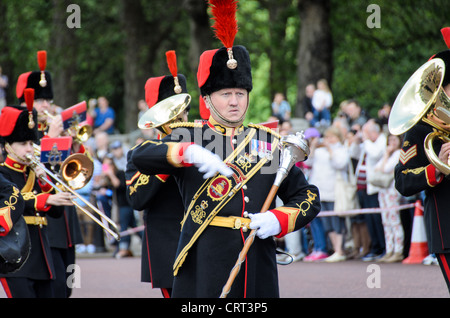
293	149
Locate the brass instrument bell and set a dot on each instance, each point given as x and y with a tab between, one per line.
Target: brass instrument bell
164	112
77	170
422	94
81	132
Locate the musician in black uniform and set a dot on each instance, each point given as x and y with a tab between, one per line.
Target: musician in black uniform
158	195
35	276
414	173
224	169
63	232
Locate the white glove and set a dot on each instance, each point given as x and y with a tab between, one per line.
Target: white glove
206	161
266	224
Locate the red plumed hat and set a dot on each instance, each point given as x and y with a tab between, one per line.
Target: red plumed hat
14	124
446	35
229	66
159	88
40	81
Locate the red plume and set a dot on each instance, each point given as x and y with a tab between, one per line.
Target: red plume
225	23
446	35
172	62
42	59
29	98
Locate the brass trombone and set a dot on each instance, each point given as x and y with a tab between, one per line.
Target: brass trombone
76	171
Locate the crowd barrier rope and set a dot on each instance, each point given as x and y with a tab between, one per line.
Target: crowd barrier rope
366	211
321	214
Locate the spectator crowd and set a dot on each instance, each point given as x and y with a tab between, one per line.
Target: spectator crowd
350	138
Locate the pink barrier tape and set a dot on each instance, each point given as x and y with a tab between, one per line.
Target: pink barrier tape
321	214
131	231
365	211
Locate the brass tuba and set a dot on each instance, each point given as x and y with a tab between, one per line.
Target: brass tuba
421	95
167	111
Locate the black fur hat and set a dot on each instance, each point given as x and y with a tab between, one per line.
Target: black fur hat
160	88
14	125
445	56
31	80
214	74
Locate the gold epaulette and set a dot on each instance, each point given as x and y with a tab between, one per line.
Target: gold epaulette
185	125
266	129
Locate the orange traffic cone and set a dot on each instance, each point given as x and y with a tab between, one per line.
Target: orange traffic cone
419	248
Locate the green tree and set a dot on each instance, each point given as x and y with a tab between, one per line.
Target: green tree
291	42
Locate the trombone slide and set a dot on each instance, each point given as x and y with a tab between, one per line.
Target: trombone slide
114	233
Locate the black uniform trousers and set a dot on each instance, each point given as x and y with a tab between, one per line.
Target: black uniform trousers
444	264
22	287
62	258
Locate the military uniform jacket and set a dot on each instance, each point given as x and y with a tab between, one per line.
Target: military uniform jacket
414	174
159	197
39	264
11	205
206	254
65	232
12	225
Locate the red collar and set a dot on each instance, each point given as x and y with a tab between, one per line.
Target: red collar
14	165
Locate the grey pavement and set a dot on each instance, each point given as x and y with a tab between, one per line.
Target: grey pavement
102	276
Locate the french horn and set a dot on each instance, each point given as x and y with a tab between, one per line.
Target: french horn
423	94
167	111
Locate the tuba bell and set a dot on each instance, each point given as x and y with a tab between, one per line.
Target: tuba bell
167	111
423	94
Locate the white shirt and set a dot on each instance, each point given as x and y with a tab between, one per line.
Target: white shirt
374	151
325	167
322	99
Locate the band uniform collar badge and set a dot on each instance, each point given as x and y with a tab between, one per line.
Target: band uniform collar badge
221	129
